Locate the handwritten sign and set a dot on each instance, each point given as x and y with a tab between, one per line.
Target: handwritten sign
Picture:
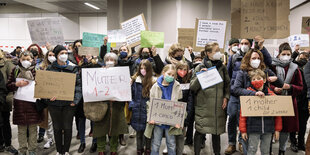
186	36
25	93
268	18
44	31
267	106
117	36
132	28
209	78
104	84
185	86
167	112
299	39
94	51
209	31
305	26
149	39
55	84
92	39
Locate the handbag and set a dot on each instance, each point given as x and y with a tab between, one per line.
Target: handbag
95	111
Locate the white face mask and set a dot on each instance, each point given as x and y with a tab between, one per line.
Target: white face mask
285	58
26	64
245	48
110	63
217	56
51	59
255	63
63	57
235	48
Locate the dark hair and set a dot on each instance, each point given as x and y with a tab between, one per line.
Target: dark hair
188	76
40	53
74	43
141	49
245	62
18	47
284	46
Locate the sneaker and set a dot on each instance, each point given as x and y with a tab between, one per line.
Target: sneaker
132	134
230	149
49	143
165	151
58	153
67	153
11	149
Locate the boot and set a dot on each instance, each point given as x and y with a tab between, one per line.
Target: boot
147	152
101	153
281	152
81	148
113	153
140	152
93	148
230	149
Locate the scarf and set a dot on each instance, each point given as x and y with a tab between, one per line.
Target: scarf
209	63
26	73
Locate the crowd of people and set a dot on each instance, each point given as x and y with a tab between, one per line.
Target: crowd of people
250	71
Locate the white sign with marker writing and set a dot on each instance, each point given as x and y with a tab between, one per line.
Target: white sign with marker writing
209	78
105	84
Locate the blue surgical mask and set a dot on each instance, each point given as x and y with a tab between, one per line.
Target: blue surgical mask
169	78
123	55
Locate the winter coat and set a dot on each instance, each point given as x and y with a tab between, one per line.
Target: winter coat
291	124
138	106
24	112
6	67
156	92
129	62
260	124
113	123
54	67
156	62
3	91
210	118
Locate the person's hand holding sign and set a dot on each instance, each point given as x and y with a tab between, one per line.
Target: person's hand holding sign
190	49
53	99
286	86
260	94
177	126
152	122
203	69
224	105
153	50
21	83
260	41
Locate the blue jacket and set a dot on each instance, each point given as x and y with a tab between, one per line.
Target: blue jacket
138	106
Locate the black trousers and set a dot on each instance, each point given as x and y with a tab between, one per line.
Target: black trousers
216	143
5	129
303	115
62	118
142	140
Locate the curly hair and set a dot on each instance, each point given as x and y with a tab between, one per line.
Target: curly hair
245	63
174	48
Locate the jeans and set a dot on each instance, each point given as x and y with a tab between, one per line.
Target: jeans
283	140
216	143
233	111
82	121
102	142
5	130
253	141
62	118
141	140
156	141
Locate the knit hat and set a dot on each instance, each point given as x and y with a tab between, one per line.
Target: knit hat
233	40
57	50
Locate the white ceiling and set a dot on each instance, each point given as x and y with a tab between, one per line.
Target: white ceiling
66	6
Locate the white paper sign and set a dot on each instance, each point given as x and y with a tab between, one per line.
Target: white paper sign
46	30
104	84
185	86
117	36
209	78
210	31
132	28
299	39
25	93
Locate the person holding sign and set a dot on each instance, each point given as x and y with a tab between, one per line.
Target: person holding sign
142	82
37	53
166	87
213	99
62	112
151	55
255	129
74	56
287	71
114	123
126	58
25	114
176	55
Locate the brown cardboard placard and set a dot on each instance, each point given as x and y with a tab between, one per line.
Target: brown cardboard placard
132	28
186	36
94	51
267	106
54	84
305	26
207	30
267	18
167	112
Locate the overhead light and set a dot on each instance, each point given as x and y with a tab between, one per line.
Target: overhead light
92	6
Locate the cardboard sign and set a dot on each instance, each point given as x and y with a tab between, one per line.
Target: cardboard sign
94	51
117	36
104	84
305	26
132	28
186	36
44	31
299	39
266	106
149	39
167	112
55	84
209	31
268	18
209	78
94	40
25	93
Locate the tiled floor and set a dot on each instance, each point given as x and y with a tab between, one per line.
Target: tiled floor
130	148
